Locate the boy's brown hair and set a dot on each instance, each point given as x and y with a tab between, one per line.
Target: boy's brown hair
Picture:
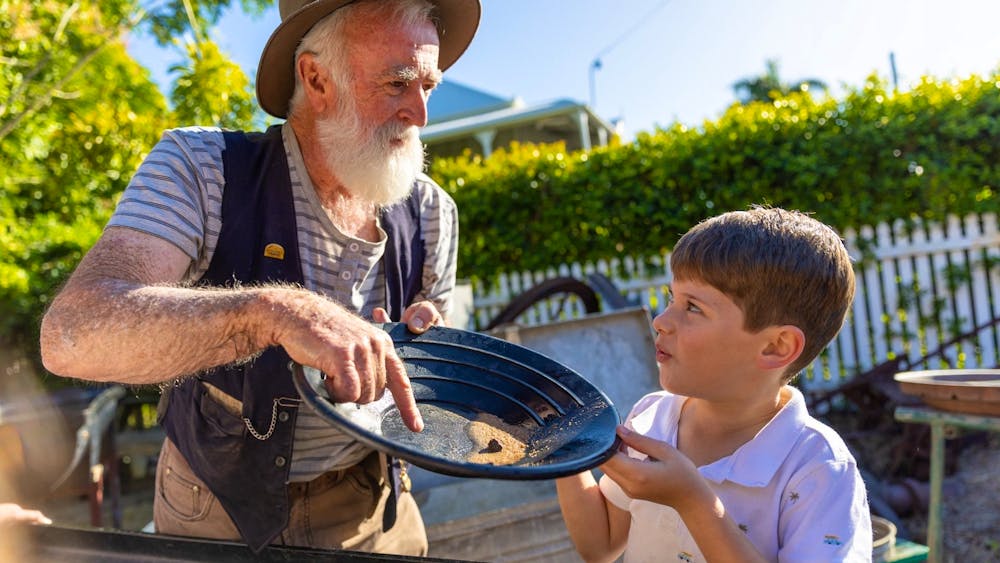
780	267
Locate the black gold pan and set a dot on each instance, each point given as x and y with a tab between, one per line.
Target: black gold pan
491	409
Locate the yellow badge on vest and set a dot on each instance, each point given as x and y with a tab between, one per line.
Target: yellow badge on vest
274	250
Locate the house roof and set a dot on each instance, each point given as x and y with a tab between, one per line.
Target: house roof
506	116
451	100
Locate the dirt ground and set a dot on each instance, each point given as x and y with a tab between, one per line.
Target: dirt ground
971	496
890	453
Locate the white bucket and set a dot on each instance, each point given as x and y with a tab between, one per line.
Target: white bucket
884	539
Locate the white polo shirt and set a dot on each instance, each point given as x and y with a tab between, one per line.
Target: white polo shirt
794	489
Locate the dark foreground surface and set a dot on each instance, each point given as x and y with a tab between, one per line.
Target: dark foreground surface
56	544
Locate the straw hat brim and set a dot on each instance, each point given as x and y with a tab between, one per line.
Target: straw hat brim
457	21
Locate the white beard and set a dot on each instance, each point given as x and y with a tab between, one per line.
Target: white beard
364	159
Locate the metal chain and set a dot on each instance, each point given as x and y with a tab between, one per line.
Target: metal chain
274	421
283	401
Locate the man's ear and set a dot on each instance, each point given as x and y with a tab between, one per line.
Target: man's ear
784	346
315	80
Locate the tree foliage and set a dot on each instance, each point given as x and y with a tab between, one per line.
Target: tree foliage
77	115
174	18
769	86
211	90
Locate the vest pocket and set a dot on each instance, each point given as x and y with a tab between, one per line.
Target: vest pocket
219	421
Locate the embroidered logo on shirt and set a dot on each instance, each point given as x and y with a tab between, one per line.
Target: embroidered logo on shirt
274	250
685	556
832	540
793	498
744	528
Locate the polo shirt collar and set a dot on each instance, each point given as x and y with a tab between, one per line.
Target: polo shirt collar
755	463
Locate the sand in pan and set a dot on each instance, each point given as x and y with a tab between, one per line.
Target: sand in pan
494	441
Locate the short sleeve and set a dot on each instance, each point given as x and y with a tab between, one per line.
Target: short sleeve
825	516
176	194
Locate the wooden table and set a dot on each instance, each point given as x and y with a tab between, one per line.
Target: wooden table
939	421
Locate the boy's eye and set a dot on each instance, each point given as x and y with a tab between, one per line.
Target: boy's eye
691	307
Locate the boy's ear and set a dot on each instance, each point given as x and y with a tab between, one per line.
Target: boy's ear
784	346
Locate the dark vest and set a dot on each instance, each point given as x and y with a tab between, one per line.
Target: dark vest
245	461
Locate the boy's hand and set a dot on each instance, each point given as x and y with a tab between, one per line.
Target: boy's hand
669	478
666	477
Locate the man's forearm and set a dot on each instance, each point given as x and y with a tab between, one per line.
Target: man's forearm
129	333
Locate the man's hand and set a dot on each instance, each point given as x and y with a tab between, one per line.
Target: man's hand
358	358
418	316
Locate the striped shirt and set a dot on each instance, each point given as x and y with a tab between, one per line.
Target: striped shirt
177	195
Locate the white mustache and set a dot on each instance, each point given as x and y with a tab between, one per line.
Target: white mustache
397	132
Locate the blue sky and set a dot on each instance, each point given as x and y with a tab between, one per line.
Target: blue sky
676	60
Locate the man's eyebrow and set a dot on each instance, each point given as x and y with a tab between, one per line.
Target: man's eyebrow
406	73
409	73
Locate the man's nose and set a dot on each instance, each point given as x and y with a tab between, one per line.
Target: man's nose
414	106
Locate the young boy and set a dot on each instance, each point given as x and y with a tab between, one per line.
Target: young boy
726	464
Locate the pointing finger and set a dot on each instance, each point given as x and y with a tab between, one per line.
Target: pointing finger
399	385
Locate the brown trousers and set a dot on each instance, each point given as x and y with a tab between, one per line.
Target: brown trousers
337	510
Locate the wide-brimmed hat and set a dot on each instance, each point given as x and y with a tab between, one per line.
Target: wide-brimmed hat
457	21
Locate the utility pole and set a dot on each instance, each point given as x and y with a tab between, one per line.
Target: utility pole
594	67
895	77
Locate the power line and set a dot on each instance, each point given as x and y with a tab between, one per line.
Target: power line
596	64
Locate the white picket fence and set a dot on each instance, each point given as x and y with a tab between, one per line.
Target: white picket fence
919	286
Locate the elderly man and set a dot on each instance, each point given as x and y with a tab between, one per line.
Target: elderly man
231	254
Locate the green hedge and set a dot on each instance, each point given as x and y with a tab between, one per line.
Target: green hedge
872	156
